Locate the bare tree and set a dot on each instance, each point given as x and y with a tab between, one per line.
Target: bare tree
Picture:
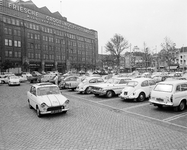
167	52
116	46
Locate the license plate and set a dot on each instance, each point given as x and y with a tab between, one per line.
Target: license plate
159	99
56	111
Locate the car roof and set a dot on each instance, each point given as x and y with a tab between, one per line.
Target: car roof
43	84
174	82
141	79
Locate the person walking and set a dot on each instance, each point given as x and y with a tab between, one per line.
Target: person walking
56	79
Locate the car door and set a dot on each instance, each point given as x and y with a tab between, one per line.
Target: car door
180	93
145	87
33	97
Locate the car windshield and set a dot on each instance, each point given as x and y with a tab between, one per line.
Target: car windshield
132	83
113	81
14	77
163	87
48	90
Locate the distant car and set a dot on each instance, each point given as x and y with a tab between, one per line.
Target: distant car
13	80
138	89
170	94
111	87
46	98
73	82
3	79
66	79
87	83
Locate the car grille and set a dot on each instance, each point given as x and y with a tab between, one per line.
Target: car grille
125	93
55	108
159	99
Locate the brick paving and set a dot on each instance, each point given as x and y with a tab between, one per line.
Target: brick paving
84	127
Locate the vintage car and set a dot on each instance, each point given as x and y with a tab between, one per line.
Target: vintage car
170	94
46	98
87	83
3	79
111	87
66	79
73	82
13	80
138	89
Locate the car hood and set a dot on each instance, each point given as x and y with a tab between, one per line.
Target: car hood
14	80
53	100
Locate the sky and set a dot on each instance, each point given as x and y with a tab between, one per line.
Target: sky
138	21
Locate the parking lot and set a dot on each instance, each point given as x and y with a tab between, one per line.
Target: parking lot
140	109
95	123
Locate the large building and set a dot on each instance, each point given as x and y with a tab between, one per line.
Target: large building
45	41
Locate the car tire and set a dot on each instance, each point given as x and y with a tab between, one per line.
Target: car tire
38	112
181	106
141	97
109	94
29	105
3	82
87	91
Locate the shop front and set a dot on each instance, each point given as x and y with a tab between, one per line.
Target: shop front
49	67
35	66
61	67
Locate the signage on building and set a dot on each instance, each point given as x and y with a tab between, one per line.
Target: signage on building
32	14
49	65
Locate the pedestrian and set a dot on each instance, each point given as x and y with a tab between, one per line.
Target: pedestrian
56	79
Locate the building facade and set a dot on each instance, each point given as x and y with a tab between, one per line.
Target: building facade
44	40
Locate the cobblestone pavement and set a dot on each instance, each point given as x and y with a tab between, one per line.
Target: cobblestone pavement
84	127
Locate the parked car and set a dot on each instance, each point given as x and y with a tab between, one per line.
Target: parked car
64	80
138	89
13	80
87	83
46	98
170	94
73	82
36	77
3	79
111	87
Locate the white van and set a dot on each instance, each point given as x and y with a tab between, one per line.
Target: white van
170	93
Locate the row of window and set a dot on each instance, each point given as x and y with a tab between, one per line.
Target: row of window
32	26
12	21
8	31
8	42
15	54
33	36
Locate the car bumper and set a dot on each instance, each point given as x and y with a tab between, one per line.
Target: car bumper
54	111
79	90
127	97
154	102
14	83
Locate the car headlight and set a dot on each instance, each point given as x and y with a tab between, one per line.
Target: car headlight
67	101
43	105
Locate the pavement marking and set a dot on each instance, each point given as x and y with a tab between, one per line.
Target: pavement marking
136	106
175	117
125	110
106	100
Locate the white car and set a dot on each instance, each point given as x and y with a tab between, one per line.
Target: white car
111	87
46	98
13	80
170	94
85	85
3	79
138	89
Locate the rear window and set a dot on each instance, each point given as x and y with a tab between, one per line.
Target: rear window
164	87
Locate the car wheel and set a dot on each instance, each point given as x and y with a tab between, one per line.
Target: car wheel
141	97
29	105
181	106
38	112
3	82
109	94
87	91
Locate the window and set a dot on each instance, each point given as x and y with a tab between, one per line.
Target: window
144	83
92	81
10	53
10	42
16	43
5	30
6	42
151	82
13	21
15	54
10	31
17	22
19	43
184	87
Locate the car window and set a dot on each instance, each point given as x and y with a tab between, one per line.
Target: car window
100	80
47	90
164	87
178	88
33	90
92	81
123	81
151	82
183	87
144	83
